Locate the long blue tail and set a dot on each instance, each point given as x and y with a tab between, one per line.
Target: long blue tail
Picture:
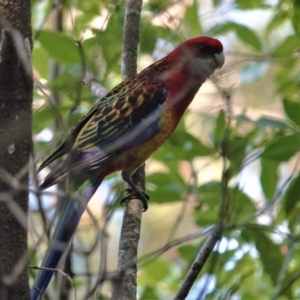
69	218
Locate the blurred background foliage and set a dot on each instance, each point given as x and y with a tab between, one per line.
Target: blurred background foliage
250	109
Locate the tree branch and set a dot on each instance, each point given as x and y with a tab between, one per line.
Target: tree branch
125	287
96	89
16	88
198	264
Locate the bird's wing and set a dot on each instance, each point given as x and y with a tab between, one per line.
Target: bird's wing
125	109
67	145
126	117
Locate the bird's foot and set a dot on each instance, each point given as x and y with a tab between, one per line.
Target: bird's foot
141	195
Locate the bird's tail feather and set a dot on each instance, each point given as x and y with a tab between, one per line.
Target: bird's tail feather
70	215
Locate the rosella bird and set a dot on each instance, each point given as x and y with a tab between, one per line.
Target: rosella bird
121	131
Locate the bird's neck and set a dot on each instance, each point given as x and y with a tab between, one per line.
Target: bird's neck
182	89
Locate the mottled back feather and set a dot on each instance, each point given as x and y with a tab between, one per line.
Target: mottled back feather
105	131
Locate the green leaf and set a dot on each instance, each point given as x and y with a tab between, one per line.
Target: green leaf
247	35
39	56
187	145
210	193
66	83
60	47
149	293
206	217
148	37
217	2
157	6
293	217
207	212
157	270
241	206
277	21
269	253
220	29
89	10
242	4
237	148
292	196
264	123
269	177
109	41
296	16
192	19
42	118
292	110
168	189
282	148
188	252
246	235
287	47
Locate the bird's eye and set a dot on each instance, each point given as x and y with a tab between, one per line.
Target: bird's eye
202	48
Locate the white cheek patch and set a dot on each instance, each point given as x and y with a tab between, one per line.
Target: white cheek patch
203	67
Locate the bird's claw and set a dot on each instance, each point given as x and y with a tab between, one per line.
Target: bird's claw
141	195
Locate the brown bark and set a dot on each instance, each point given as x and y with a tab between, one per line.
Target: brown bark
15	145
125	287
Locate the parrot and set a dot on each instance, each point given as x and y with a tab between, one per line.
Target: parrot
120	132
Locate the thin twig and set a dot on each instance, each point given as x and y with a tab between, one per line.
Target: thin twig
56	270
287	285
281	284
190	186
198	264
96	89
224	217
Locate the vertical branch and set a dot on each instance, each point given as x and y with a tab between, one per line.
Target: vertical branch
131	38
225	197
125	288
16	145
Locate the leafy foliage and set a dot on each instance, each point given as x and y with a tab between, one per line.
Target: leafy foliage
242	142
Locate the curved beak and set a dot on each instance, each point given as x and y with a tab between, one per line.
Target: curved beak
220	59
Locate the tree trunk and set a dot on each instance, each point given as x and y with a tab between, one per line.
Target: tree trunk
15	145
